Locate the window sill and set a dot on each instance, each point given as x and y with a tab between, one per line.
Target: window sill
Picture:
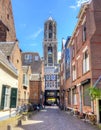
86	72
74	80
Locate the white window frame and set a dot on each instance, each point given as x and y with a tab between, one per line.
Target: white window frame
36	58
86	66
84	34
74	72
25	79
28	57
75	99
7	98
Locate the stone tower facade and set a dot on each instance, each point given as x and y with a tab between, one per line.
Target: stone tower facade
50	42
50	62
7	29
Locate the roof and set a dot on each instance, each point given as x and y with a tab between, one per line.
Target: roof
7	47
6	63
35	65
25	69
80	15
50	18
35	77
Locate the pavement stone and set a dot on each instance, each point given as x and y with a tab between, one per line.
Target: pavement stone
52	118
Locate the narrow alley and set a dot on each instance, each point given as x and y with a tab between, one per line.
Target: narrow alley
52	118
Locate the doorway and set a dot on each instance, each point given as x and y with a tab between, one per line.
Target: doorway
99	111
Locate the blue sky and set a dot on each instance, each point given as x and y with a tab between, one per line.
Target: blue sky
30	16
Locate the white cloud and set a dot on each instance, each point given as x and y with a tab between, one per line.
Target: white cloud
59	55
73	7
79	3
36	34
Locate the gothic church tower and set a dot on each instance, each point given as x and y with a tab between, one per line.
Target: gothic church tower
50	42
50	62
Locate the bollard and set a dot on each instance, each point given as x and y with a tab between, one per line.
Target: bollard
19	122
9	127
30	115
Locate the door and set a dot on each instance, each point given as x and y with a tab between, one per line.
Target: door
13	97
99	111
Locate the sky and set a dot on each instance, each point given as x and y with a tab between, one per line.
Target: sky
30	16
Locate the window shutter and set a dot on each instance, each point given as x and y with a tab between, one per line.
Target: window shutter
13	97
3	97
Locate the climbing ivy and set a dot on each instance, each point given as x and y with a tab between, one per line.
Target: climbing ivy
94	92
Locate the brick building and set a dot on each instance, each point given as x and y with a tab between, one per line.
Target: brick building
33	60
8	43
25	94
85	46
35	89
64	73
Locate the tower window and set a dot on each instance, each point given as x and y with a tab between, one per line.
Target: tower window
50	59
50	30
49	50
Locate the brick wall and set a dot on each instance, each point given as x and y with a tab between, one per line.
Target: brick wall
35	90
6	16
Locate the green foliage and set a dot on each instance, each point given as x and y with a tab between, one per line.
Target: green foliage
94	92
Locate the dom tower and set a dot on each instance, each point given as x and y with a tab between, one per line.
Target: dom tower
50	61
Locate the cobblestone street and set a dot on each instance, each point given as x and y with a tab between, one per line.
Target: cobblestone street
52	118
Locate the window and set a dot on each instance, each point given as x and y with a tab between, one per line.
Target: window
7	96
73	52
50	59
8	16
17	61
69	97
5	99
86	96
25	80
50	30
28	58
36	58
74	97
78	71
74	73
84	32
85	62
